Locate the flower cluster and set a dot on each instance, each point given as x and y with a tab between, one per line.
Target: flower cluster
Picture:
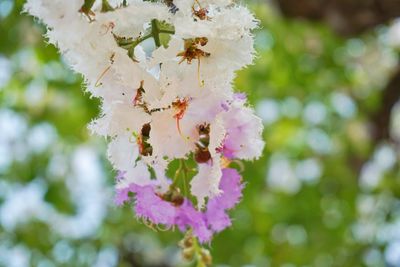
163	71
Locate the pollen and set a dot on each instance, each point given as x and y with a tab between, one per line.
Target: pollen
180	105
200	12
192	51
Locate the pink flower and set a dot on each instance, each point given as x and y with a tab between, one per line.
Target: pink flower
231	185
150	206
189	217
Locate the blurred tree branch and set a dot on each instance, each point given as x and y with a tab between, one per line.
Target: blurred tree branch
350	18
381	117
346	17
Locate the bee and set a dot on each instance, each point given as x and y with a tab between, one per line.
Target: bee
202	154
145	149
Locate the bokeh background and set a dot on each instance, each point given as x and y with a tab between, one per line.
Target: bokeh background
326	83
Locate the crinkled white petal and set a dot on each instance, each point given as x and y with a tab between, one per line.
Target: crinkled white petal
132	20
214	71
159	166
206	182
120	119
123	152
227	24
166	139
137	174
217	136
243	132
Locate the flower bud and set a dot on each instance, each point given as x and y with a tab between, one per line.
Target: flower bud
206	256
188	253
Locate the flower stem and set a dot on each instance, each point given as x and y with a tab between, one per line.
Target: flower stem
177	173
141	39
181	177
184	180
166	31
106	7
87	6
203	257
197	252
157	28
155	31
192	250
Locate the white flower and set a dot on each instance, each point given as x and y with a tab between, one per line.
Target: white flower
243	132
134	19
123	152
119	119
162	103
206	182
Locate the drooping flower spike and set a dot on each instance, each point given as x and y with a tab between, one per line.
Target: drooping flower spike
175	126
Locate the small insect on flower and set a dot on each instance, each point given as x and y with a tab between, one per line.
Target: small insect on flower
202	154
145	149
180	105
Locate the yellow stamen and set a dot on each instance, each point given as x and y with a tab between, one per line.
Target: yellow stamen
149	224
98	82
240	164
225	162
198	3
178	126
163	228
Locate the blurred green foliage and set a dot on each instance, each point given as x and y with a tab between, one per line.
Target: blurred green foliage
303	201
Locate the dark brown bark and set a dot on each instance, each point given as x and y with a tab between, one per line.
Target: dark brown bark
381	118
346	17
